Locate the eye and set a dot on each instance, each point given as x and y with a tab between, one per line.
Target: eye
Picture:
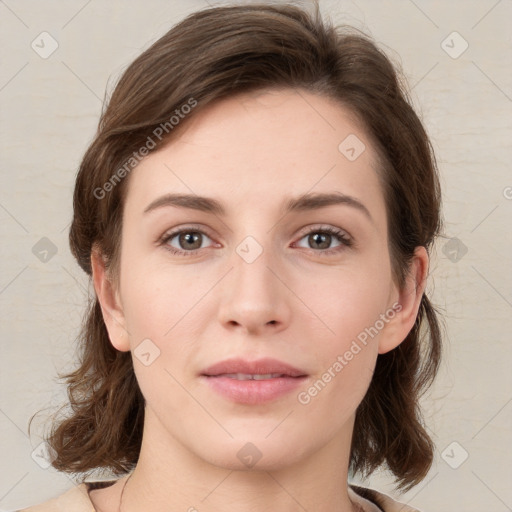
187	241
184	241
320	239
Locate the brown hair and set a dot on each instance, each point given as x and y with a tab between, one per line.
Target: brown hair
212	54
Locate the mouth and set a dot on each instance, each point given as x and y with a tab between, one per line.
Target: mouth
259	369
251	376
252	382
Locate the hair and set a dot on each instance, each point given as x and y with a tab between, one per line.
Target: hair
213	54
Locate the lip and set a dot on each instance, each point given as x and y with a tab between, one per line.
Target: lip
253	392
257	367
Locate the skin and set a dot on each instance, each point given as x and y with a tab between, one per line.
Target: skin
251	152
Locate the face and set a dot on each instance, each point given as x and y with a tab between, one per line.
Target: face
254	279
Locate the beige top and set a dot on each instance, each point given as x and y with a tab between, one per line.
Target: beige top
77	500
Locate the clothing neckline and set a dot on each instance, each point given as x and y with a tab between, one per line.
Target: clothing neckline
367	498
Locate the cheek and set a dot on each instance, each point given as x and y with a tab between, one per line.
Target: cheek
349	301
159	307
345	360
349	323
155	299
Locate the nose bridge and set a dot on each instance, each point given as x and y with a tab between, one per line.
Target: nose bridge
254	298
251	262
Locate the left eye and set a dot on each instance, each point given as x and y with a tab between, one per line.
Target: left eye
323	238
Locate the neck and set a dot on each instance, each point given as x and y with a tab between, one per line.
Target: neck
169	476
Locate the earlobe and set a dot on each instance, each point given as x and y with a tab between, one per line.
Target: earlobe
110	303
409	301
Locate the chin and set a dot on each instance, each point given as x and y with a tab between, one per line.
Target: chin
256	452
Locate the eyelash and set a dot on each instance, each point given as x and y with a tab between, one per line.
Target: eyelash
340	235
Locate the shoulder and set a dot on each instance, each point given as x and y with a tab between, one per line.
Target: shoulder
74	500
384	502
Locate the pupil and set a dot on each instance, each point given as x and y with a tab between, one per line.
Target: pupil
190	238
323	237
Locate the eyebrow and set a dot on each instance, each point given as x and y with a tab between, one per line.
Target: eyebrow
304	202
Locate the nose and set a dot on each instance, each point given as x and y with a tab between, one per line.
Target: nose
254	296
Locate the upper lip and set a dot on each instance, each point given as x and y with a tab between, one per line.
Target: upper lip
257	367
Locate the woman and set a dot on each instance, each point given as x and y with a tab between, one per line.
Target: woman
256	213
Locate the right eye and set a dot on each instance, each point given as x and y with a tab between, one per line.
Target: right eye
184	242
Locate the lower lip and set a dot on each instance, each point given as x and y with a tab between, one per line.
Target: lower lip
253	392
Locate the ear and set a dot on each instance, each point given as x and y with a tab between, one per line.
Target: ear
407	303
110	303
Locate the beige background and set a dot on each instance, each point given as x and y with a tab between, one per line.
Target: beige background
49	111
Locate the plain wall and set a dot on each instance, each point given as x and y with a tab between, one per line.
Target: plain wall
49	113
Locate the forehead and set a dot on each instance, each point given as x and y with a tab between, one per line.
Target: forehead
263	145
